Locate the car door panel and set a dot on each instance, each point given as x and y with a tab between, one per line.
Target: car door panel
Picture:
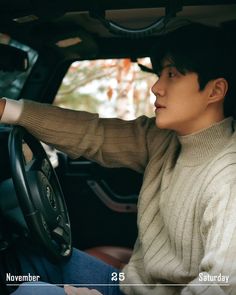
102	202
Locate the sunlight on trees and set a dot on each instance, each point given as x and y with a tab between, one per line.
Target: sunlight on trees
112	88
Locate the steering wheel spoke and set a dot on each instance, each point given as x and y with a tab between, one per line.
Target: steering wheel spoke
61	234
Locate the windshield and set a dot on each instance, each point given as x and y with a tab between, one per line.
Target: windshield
112	88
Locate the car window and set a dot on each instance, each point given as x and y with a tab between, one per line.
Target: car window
11	83
111	88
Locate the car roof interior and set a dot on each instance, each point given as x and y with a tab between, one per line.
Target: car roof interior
81	29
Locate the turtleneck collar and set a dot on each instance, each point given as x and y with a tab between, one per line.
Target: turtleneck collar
199	147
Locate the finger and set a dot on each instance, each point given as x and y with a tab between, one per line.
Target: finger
95	292
70	290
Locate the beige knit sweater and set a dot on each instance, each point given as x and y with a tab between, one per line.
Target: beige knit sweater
187	204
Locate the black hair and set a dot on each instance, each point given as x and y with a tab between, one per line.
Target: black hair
204	50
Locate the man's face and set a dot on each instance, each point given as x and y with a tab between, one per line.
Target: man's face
180	105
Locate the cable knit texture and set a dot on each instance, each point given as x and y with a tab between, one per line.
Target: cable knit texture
187	204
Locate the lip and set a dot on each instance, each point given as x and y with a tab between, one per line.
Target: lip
159	107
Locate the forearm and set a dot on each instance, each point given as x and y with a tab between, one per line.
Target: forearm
110	142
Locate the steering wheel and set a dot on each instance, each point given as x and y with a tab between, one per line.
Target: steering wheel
39	193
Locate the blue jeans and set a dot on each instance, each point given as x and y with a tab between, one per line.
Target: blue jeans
80	270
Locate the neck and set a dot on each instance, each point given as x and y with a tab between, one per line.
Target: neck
203	122
203	145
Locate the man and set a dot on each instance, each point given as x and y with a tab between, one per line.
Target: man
186	212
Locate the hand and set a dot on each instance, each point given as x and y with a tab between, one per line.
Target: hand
2	106
80	291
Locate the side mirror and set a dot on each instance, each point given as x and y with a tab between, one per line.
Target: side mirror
13	59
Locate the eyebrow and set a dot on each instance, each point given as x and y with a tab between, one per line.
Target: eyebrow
170	65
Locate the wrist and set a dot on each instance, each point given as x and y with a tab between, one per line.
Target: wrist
2	106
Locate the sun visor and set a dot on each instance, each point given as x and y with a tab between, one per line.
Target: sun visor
74	43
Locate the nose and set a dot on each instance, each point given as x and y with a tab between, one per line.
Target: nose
157	89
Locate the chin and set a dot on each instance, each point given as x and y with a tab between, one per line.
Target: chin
162	124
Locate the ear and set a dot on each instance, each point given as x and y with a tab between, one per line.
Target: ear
218	89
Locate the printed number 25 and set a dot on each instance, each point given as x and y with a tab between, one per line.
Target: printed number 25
118	276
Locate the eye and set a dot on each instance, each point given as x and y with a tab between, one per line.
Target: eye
171	74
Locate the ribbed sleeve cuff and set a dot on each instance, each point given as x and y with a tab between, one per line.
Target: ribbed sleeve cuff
12	111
